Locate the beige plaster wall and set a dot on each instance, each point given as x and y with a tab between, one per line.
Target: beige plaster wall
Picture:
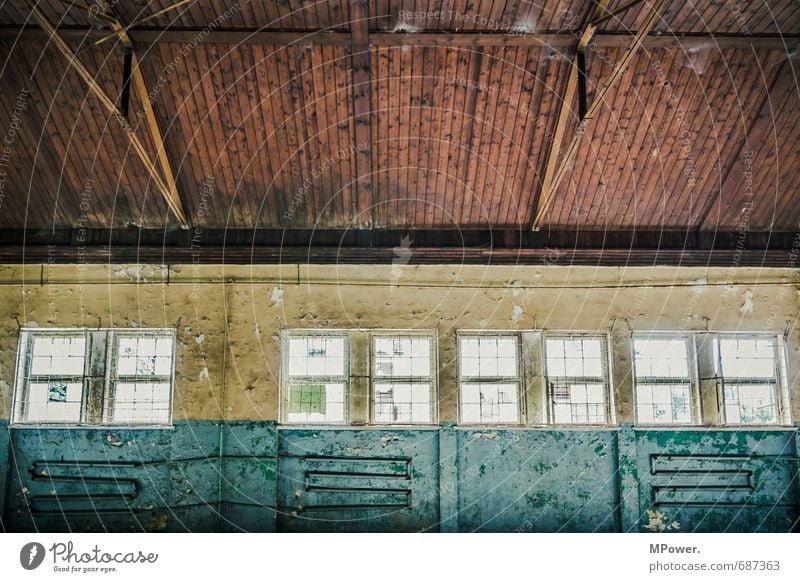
229	318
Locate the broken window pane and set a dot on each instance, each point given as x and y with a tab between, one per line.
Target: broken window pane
143	378
402	357
749	370
663	381
579	404
490	403
132	379
409	359
495	358
663	403
409	403
57	402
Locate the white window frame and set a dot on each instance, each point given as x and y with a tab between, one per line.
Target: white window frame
519	379
431	379
112	355
605	353
780	391
693	378
97	382
287	380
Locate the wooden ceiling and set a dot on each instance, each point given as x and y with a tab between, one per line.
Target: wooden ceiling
338	115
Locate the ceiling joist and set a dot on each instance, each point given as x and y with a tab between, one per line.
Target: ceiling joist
575	82
143	94
168	192
166	184
553	177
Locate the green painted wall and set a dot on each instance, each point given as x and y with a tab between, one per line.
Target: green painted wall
253	476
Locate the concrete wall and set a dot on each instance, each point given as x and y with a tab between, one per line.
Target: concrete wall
226	467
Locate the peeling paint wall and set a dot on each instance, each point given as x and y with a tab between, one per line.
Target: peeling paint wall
229	318
243	474
248	476
202	476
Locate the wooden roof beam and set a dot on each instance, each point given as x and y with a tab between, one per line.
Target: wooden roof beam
138	147
575	81
551	183
143	94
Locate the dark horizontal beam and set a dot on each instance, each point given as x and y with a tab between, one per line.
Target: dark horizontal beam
603	40
497	238
419	256
267	246
377	38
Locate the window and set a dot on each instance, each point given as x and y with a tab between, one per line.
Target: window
489	376
83	377
663	379
316	382
577	379
140	385
751	369
402	378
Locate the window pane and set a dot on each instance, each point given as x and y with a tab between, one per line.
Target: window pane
312	402
141	402
58	356
747	357
663	404
408	403
144	356
53	402
661	358
496	403
488	357
578	403
143	379
750	404
575	357
402	357
316	356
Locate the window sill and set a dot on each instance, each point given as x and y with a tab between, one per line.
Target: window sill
540	427
359	427
66	426
720	427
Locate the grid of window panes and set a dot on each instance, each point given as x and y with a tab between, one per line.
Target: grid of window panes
663	380
402	372
748	367
576	376
141	373
51	379
317	379
489	378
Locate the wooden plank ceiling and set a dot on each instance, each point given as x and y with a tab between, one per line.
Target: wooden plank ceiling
263	132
